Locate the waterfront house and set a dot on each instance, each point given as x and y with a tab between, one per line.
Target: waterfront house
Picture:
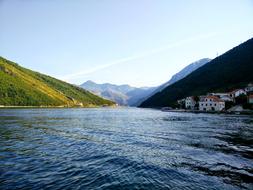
226	98
190	103
223	96
211	103
237	92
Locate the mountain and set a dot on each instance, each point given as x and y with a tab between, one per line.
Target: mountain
23	87
186	71
180	75
127	95
231	70
122	94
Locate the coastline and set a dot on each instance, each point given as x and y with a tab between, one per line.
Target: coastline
90	106
246	112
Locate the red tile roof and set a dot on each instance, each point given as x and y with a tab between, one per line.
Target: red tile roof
215	98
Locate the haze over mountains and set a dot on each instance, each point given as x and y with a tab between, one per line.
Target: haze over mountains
233	69
132	96
23	87
122	94
181	74
185	71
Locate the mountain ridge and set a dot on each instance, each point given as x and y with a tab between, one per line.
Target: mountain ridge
122	94
180	75
232	69
23	87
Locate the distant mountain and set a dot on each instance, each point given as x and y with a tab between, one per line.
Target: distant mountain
231	70
181	74
122	94
187	70
127	95
24	87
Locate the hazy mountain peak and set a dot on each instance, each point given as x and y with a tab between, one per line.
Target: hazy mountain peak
122	94
230	70
180	75
187	70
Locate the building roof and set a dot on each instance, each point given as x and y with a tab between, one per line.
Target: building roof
190	97
234	91
214	98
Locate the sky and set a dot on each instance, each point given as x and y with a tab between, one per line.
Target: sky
136	42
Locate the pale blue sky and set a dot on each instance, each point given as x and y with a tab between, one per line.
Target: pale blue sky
137	42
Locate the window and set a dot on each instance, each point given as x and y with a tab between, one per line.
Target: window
206	104
210	104
214	104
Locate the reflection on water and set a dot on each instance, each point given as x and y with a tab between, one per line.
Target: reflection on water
124	149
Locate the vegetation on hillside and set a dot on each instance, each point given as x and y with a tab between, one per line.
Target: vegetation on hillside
233	69
23	87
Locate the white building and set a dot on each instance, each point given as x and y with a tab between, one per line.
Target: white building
211	103
223	96
236	93
190	103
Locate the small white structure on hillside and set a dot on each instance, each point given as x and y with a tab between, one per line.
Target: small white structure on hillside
190	103
236	93
211	103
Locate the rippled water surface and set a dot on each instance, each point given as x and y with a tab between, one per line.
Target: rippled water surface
125	148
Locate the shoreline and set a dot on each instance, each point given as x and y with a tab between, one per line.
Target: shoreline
211	112
2	107
249	112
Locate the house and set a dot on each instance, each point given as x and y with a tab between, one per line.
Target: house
250	99
211	103
236	93
226	98
249	88
223	96
190	103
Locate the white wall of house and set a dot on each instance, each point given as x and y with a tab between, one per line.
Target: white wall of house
209	104
226	98
189	103
237	93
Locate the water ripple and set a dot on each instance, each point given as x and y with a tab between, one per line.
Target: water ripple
124	149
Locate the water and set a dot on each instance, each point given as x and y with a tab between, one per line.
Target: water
124	149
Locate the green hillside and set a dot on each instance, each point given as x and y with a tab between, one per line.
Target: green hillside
233	69
23	87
